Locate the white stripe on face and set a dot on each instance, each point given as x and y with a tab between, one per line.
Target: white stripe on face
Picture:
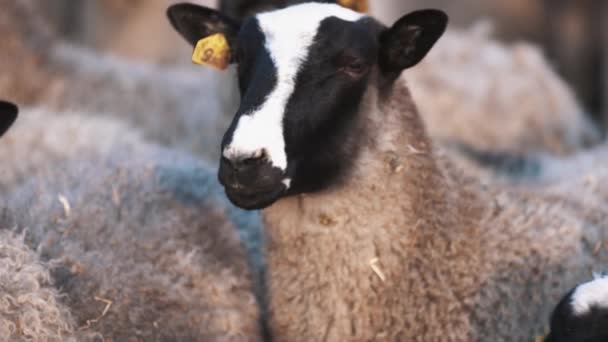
289	34
591	294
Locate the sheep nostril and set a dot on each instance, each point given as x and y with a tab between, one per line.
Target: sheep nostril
247	162
243	164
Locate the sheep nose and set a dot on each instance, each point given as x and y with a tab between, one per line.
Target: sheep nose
241	164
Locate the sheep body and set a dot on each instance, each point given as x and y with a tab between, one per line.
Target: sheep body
169	263
42	140
407	248
476	91
141	242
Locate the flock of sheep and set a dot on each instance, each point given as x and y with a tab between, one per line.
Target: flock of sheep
113	226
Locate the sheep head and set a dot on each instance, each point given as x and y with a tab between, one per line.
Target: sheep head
303	72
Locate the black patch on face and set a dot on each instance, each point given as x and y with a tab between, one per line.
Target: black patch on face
8	115
567	327
321	122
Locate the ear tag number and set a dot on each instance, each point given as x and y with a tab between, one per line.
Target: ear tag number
212	51
356	5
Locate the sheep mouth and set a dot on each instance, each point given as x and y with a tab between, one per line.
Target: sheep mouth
250	199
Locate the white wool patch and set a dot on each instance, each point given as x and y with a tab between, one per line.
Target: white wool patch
289	35
591	294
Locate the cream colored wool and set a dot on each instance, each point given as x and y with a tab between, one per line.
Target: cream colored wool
30	306
473	90
408	249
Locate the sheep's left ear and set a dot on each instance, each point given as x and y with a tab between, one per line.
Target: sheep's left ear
407	42
8	114
196	22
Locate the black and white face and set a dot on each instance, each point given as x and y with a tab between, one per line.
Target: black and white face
8	115
302	73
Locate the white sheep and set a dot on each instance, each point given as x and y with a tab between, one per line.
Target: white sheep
369	234
138	239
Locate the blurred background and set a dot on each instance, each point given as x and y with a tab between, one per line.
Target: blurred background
572	33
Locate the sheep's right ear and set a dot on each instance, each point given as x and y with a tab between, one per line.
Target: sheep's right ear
8	115
196	22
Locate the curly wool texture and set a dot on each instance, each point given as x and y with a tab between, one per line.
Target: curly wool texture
42	140
30	306
474	90
410	249
136	257
140	231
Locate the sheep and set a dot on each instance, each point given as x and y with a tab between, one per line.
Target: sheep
30	307
471	78
43	139
143	246
137	255
170	100
369	234
582	315
538	170
8	115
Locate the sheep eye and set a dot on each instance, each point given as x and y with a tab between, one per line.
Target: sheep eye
351	65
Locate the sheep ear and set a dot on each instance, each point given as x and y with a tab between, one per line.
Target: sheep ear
407	42
196	22
8	115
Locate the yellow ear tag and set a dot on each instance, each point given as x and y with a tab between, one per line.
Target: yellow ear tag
212	51
356	5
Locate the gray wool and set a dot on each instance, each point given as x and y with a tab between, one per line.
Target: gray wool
140	232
